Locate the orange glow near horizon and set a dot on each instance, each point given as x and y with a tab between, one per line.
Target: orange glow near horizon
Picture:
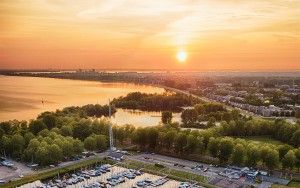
140	34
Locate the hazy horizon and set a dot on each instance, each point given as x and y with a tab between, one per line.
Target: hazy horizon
129	70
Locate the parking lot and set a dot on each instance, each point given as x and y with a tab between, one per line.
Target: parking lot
10	173
20	169
219	176
214	174
178	164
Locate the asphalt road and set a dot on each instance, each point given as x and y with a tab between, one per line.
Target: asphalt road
7	173
169	162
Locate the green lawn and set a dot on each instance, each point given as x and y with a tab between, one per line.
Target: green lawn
293	184
262	140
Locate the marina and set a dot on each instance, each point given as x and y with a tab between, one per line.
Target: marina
107	176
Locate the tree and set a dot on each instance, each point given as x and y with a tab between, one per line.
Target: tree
283	149
296	138
67	147
192	144
101	142
100	127
156	102
152	136
7	145
211	122
235	114
49	120
271	159
90	143
33	144
189	117
226	148
18	144
44	133
226	116
56	130
264	150
66	130
289	160
82	129
56	153
29	152
140	137
180	142
253	155
129	129
36	126
168	139
297	154
120	133
43	156
238	154
166	117
200	108
27	137
213	146
201	145
1	132
6	127
78	146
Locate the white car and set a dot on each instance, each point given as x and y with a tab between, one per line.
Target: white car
7	163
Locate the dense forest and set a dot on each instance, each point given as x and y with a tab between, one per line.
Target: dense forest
55	136
155	102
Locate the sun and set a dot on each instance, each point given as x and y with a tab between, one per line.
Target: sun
181	56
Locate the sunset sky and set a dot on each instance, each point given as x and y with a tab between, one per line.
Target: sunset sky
139	34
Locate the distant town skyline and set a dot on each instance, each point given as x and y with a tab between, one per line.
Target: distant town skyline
205	35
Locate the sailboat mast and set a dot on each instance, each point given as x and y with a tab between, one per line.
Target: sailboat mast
111	143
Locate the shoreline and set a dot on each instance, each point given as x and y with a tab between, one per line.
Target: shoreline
230	108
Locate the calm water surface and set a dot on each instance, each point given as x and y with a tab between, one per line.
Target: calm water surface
21	98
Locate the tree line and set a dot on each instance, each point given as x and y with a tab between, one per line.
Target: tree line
155	102
169	138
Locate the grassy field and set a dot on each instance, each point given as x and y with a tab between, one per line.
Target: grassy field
262	140
170	173
293	183
51	173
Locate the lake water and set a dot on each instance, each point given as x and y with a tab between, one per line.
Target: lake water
21	98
